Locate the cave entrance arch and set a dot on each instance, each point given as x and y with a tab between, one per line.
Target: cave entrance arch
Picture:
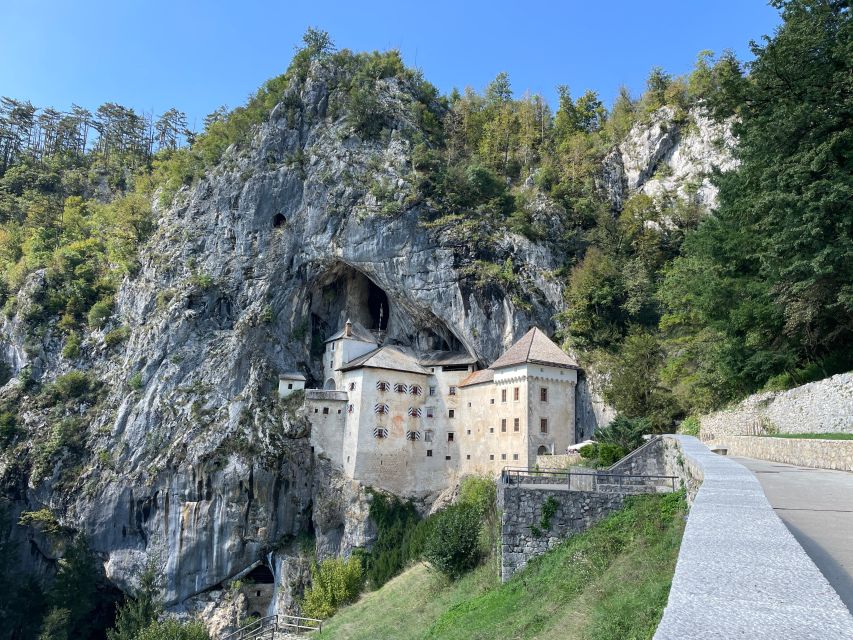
543	451
329	385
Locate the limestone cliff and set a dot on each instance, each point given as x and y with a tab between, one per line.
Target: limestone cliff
186	457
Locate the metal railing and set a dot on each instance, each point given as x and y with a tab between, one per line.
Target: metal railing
267	627
587	480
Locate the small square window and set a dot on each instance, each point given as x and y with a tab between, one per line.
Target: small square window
451	413
515	424
491	429
430	412
503	456
491	401
450	436
432	391
469	404
325	411
467	432
290	385
315	410
468	456
452	391
503	425
339	410
491	456
447	457
429	453
515	456
503	395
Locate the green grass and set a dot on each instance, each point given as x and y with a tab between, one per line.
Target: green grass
609	582
813	436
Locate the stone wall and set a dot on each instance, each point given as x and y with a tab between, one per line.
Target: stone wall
821	454
740	572
824	406
523	535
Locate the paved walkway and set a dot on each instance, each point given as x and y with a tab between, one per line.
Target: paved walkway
817	507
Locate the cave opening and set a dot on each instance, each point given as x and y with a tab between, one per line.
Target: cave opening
377	307
261	575
278	220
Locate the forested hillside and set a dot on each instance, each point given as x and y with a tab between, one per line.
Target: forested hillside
151	292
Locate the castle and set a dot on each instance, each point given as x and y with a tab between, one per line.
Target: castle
411	422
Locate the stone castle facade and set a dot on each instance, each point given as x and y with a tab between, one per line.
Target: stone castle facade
412	422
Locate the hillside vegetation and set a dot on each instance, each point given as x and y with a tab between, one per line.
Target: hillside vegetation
609	582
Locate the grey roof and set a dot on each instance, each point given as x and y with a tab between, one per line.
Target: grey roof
535	347
358	333
389	357
291	375
432	358
478	377
325	394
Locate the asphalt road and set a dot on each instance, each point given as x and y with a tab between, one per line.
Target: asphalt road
817	507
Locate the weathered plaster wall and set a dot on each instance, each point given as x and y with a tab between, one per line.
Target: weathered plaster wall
740	572
821	454
824	406
521	510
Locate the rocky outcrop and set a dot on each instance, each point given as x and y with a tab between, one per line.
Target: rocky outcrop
669	154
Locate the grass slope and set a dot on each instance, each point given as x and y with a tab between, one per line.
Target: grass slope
609	582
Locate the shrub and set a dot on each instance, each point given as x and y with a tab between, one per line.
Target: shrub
398	540
71	350
627	433
42	519
201	280
689	426
73	384
334	582
99	313
602	454
8	428
116	337
453	544
171	629
135	381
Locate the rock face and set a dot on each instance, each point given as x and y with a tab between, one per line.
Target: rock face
190	461
670	154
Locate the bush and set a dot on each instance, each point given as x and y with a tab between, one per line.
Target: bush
71	350
171	629
334	582
399	539
116	337
453	544
100	313
689	426
8	428
602	454
627	433
73	384
135	381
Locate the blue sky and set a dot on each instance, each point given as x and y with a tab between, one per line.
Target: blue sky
154	54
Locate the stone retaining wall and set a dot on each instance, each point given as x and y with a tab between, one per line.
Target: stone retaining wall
821	454
824	406
740	572
522	534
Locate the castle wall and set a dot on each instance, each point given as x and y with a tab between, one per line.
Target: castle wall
327	413
558	409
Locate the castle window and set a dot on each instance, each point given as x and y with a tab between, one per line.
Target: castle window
428	435
290	385
381	408
415	412
315	409
503	395
339	410
399	387
469	404
543	394
491	456
333	346
452	391
503	425
429	453
413	435
380	432
430	412
515	456
451	413
515	393
416	390
450	436
491	401
468	456
468	432
383	386
352	386
515	424
503	456
491	429
543	425
432	391
350	408
447	457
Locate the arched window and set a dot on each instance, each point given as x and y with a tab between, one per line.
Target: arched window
329	385
381	408
399	387
543	451
383	386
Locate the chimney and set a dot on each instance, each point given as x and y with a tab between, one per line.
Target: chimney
348	329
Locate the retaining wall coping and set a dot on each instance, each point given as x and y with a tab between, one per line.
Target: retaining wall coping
740	572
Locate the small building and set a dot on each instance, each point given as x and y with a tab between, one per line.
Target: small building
289	383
